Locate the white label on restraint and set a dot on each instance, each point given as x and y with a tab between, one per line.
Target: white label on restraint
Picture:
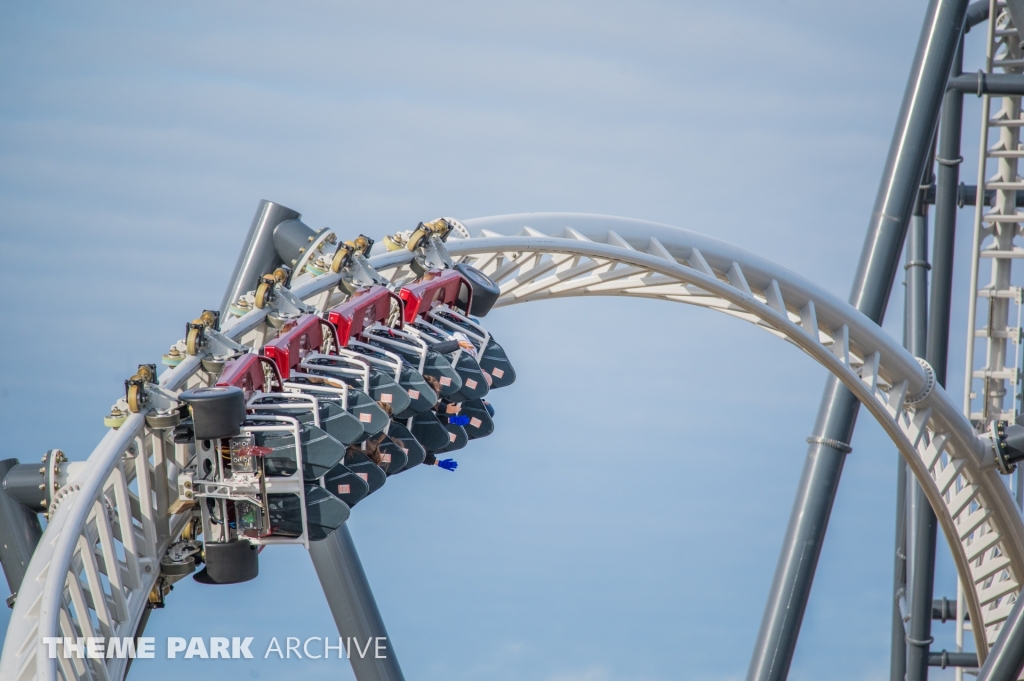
445	380
385	398
471	383
497	372
475	422
364	476
365	418
414	394
451	437
344	489
385	458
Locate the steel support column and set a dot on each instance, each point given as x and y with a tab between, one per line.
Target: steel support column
20	533
898	658
946	205
921	522
1006	659
908	154
259	255
353	606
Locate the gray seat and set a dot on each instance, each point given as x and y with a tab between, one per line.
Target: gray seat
320	451
360	464
393	456
429	431
324	513
343	483
403	437
480	422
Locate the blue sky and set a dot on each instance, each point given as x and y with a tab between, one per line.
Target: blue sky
623	522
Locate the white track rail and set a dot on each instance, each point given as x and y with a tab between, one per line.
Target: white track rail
101	521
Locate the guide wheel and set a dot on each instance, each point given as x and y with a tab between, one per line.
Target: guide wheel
262	295
193	341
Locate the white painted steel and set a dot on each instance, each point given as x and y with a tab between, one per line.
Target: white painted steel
993	371
100	521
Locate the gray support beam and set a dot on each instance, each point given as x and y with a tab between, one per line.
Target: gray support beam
967	195
898	643
944	609
982	83
977	12
904	168
946	659
20	532
1006	659
258	256
352	604
921	525
921	521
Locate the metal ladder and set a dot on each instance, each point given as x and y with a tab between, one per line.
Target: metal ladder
994	345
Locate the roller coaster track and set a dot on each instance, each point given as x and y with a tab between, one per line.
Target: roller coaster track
95	568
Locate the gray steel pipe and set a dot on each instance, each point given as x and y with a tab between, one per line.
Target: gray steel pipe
898	642
944	609
982	83
947	200
922	526
259	255
967	194
1006	659
20	532
353	606
947	659
904	168
977	12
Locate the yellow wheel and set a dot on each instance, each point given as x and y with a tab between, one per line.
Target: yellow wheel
134	398
415	239
208	319
146	374
340	258
262	295
192	341
115	419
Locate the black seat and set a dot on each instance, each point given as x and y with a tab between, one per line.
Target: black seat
457	437
324	513
343	483
393	458
474	384
403	437
495	362
493	359
422	395
360	464
382	388
480	422
320	451
440	368
386	390
339	424
364	413
429	431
